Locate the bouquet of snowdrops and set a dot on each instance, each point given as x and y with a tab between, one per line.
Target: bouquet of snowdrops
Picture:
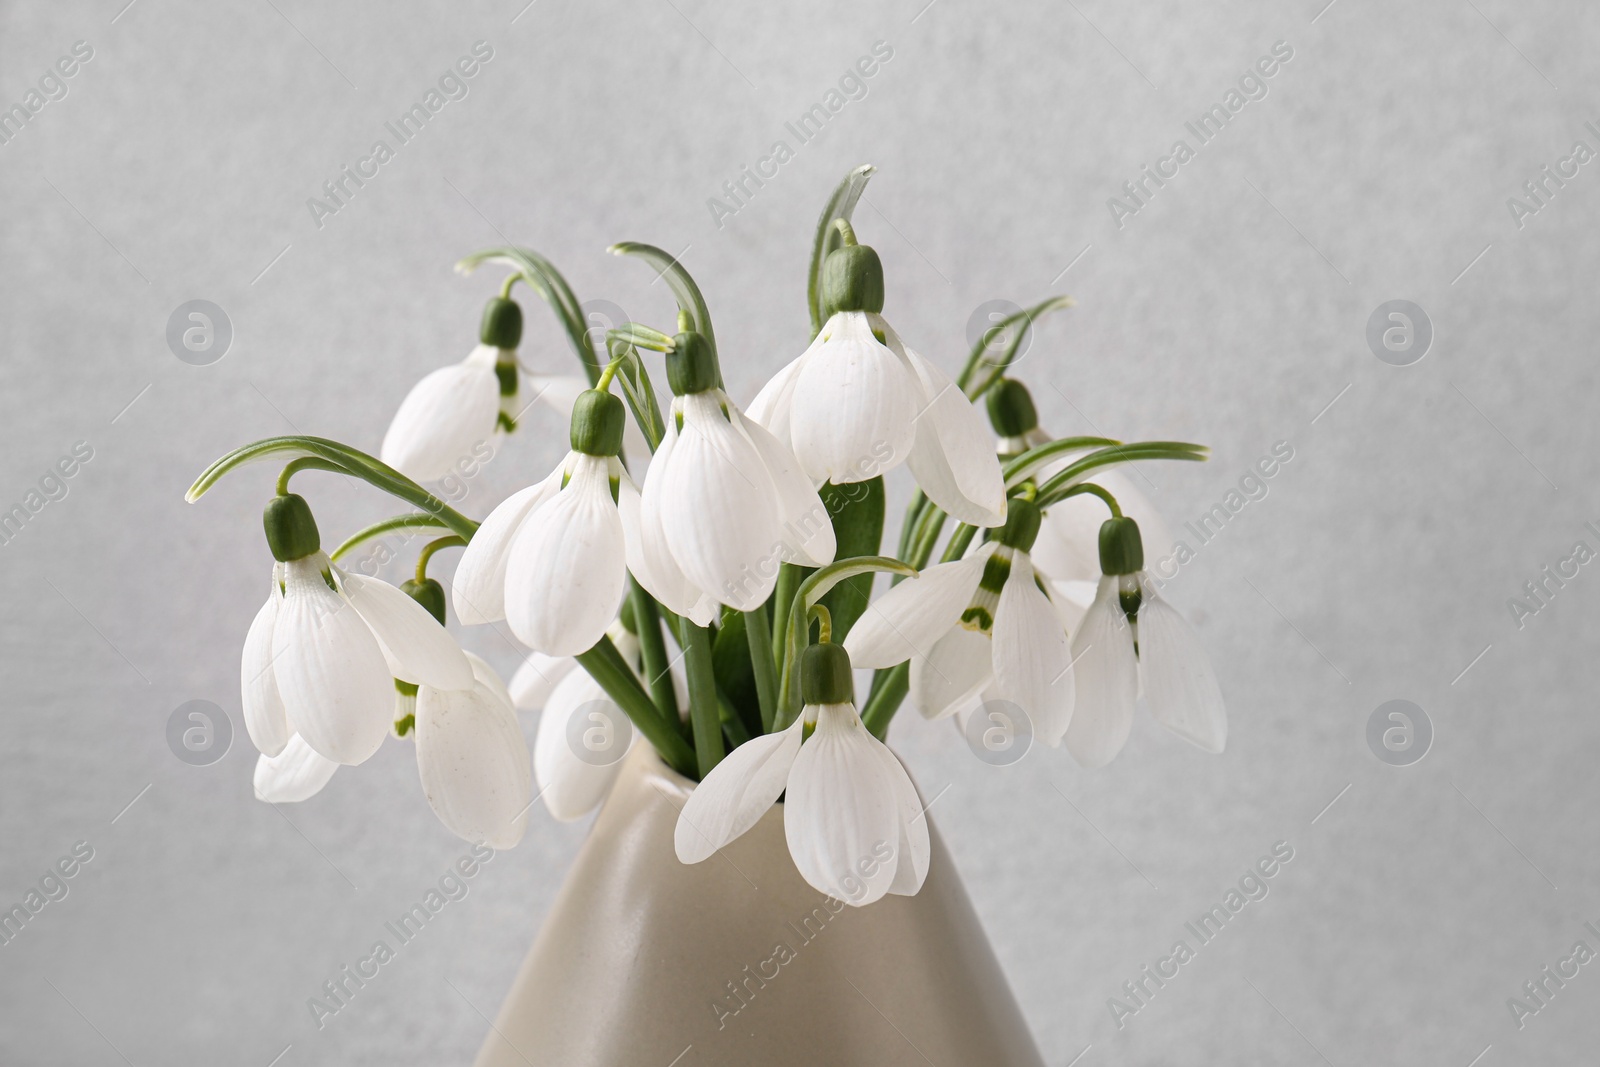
718	604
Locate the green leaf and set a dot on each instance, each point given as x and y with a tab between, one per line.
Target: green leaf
1052	491
841	205
416	521
639	393
683	287
632	333
1037	458
347	460
981	371
857	513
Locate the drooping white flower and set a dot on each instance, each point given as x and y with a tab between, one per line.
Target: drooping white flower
852	818
859	402
1130	634
553	559
978	625
447	414
473	761
582	738
723	503
1066	554
337	643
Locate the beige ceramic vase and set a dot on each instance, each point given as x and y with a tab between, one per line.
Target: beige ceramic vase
643	960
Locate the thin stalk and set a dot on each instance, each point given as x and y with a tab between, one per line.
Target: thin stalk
415	521
430	548
1090	489
653	651
790	575
732	725
758	633
606	666
704	716
305	463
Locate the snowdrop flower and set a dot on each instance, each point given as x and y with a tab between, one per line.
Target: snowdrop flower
1131	635
859	402
978	625
296	773
553	559
1066	554
575	763
323	653
723	503
473	761
851	815
453	411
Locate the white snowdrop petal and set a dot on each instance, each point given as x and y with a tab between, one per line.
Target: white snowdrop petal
955	670
1032	658
478	590
335	683
953	459
295	774
718	508
442	419
568	566
907	620
854	405
537	678
1107	681
649	557
474	764
576	763
736	793
485	675
264	717
1179	684
417	649
808	538
840	810
771	406
913	850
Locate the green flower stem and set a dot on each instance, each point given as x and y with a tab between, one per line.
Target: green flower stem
908	528
653	651
542	277
704	716
790	575
690	300
607	667
1020	468
344	460
415	521
922	546
758	632
305	463
886	699
1090	489
430	548
958	543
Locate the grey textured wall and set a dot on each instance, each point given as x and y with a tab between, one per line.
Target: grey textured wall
1231	308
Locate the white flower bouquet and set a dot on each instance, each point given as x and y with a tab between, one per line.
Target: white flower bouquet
702	573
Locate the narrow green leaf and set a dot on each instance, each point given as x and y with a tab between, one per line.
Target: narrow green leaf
1023	467
677	278
638	335
981	370
841	205
857	513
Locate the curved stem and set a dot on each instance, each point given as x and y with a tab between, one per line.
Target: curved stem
758	633
886	698
653	650
415	521
1065	479
1090	489
305	463
430	548
820	615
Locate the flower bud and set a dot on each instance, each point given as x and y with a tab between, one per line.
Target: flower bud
1022	525
691	365
502	323
291	529
597	422
1121	548
825	675
852	280
428	593
1011	410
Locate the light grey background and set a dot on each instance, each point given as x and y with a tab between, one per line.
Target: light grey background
1230	310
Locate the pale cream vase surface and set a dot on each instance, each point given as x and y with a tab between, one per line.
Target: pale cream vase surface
645	960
